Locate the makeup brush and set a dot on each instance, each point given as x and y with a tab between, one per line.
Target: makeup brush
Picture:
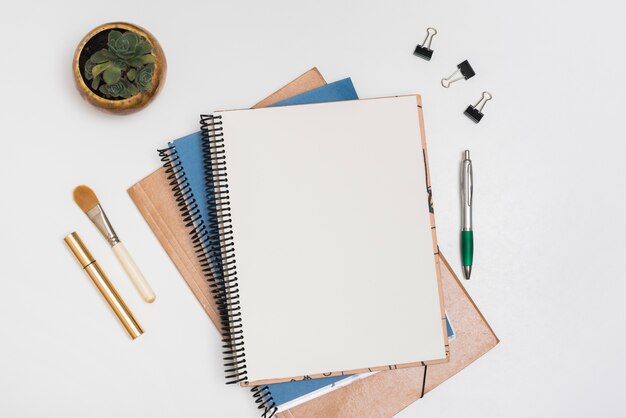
87	200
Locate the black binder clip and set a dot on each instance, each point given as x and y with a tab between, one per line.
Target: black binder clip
466	70
475	112
423	50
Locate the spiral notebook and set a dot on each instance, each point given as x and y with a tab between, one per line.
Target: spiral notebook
188	149
368	243
382	394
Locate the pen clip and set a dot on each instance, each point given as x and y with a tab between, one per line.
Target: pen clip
467	182
471	184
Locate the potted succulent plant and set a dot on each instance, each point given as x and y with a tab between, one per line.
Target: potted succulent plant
119	67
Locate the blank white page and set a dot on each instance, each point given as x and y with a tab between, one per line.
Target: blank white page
333	240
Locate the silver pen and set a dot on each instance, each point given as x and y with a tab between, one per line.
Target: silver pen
467	233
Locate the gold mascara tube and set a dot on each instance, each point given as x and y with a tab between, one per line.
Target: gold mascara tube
108	292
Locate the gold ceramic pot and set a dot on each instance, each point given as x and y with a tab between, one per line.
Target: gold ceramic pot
119	106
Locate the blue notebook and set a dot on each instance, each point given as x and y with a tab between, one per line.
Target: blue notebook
186	155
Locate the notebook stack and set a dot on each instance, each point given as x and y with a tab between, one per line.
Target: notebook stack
305	228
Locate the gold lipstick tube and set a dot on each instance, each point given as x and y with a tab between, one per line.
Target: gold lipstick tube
108	292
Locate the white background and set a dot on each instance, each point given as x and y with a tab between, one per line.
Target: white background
549	183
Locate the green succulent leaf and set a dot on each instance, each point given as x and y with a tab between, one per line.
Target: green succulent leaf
88	71
102	56
148	59
132	89
111	55
114	90
128	89
100	68
135	62
117	90
104	89
96	82
132	37
143	47
144	78
121	64
112	74
114	35
131	74
125	46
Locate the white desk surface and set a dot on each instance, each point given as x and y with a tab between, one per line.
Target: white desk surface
549	182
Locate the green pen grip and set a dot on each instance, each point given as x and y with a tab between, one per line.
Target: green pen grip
467	247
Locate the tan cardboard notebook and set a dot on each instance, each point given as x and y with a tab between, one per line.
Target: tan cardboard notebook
152	195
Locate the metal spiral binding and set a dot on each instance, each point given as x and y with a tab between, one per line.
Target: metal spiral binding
222	250
263	397
186	204
222	253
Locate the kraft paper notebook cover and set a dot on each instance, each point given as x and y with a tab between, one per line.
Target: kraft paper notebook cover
152	195
342	214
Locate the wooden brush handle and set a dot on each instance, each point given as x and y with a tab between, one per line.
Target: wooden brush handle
133	272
